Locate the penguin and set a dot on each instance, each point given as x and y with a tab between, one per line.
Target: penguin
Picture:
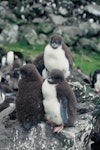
59	101
39	63
56	55
2	54
2	95
95	80
4	100
96	141
29	106
10	58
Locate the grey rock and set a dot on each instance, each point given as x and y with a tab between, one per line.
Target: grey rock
43	138
29	35
63	11
88	28
45	27
93	9
9	35
90	44
57	19
42	39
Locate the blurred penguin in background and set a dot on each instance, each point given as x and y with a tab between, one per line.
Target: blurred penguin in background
95	81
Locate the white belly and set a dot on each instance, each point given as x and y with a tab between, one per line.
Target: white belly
10	58
56	59
50	102
97	84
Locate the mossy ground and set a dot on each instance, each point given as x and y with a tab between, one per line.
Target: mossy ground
88	61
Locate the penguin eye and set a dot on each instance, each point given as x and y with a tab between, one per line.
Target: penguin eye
23	73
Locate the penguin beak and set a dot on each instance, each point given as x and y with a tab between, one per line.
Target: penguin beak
54	45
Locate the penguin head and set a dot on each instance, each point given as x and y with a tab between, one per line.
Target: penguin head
29	72
16	73
25	71
55	41
56	76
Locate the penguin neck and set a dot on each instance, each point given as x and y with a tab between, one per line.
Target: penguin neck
50	49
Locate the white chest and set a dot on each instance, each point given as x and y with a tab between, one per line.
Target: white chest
2	98
55	59
48	90
50	102
10	58
97	84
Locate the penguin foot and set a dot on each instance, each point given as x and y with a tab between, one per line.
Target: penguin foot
58	129
27	125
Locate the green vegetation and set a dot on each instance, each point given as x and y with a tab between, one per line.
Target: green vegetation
87	60
26	49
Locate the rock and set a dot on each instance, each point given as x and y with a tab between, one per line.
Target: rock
37	20
37	9
43	138
45	28
93	9
89	44
29	35
89	29
57	19
6	13
9	34
63	11
42	39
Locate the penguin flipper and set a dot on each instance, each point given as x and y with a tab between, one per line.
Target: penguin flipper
63	109
64	115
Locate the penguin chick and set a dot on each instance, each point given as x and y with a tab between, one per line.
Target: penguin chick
5	101
95	81
39	63
57	55
2	95
96	141
29	106
10	57
59	101
44	65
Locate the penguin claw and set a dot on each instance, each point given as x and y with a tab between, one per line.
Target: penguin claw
58	129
